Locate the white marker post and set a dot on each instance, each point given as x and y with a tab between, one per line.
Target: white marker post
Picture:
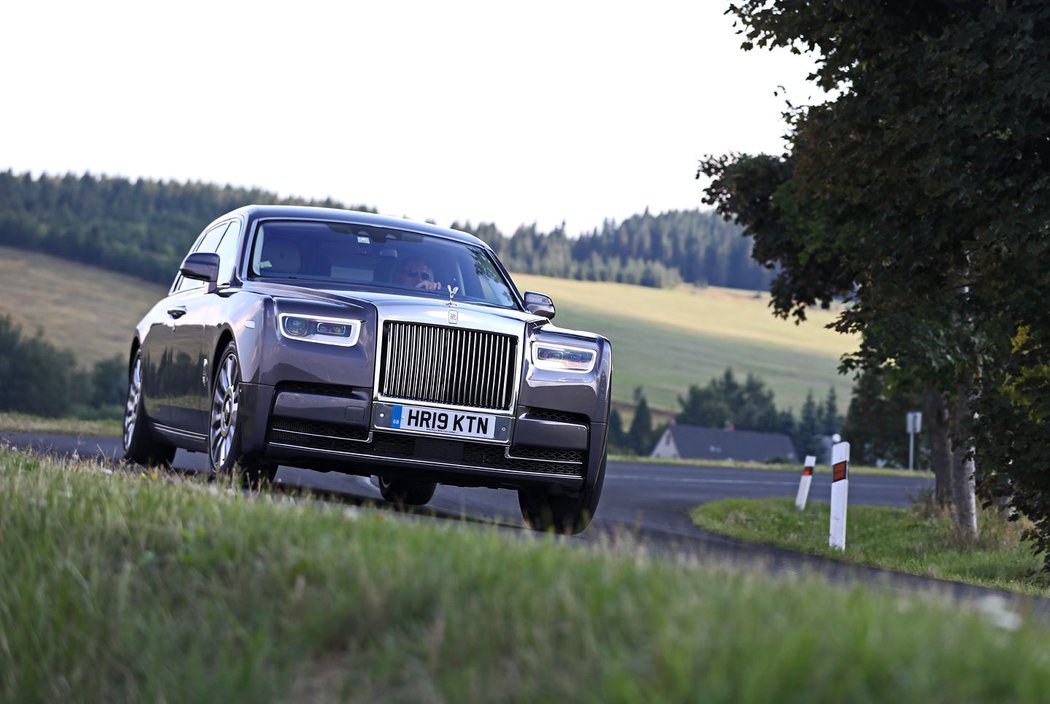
804	482
839	494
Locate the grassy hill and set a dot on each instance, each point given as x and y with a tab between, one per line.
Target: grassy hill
664	340
89	310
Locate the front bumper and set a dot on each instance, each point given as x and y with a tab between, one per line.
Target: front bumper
329	428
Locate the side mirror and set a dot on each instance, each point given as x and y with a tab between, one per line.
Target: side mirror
539	304
201	266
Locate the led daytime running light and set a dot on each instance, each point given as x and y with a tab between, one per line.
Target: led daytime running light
563	358
331	331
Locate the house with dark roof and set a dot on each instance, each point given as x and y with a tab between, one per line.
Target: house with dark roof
693	443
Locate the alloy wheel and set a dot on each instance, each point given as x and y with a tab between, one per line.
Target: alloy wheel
225	401
131	412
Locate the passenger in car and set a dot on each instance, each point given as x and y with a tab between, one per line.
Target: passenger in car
417	273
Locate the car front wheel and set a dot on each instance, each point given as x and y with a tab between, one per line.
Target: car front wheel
224	430
547	511
140	446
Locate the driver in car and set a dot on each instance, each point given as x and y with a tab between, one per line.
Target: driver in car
417	273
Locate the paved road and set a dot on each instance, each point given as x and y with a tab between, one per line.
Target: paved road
655	498
643	506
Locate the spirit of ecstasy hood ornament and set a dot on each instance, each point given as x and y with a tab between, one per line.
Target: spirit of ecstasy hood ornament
453	313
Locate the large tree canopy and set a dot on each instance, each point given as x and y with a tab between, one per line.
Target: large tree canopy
919	193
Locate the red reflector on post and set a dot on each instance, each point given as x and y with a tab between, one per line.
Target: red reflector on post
838	471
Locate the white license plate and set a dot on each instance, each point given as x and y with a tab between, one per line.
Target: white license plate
434	420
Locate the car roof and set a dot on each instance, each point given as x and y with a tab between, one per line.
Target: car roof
304	212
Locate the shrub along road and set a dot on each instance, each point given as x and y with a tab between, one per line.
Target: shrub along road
643	504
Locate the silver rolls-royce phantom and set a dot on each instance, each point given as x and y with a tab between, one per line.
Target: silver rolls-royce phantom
350	342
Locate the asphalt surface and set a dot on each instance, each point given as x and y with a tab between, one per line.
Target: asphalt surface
644	507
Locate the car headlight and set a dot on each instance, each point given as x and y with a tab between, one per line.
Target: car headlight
563	358
329	331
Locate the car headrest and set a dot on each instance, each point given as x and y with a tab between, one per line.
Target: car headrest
281	256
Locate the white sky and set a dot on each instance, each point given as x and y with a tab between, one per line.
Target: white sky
511	113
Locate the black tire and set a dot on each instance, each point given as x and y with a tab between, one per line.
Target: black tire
224	426
406	492
140	446
546	511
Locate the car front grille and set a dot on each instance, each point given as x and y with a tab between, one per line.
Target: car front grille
454	366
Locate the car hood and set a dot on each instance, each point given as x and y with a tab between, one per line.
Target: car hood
419	308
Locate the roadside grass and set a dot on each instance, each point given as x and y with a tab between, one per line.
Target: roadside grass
66	426
916	540
137	586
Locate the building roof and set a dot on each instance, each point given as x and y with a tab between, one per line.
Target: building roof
719	444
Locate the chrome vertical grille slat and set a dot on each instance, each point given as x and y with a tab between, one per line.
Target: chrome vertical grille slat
486	380
502	371
447	365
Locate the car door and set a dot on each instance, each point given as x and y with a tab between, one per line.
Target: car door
210	312
186	383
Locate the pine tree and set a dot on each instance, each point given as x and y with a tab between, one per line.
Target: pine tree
618	440
830	420
807	437
641	433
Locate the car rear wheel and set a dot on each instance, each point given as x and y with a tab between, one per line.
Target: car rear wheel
546	511
224	430
140	446
407	492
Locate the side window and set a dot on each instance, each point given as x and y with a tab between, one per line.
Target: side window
227	251
208	243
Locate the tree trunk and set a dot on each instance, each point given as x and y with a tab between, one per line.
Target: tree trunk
938	428
964	497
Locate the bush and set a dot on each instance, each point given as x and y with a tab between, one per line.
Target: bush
42	380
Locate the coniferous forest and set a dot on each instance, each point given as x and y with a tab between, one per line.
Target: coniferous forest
144	227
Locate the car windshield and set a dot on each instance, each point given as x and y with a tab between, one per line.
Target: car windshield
346	255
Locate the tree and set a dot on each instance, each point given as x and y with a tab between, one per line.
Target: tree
918	193
828	413
725	401
878	172
807	435
109	381
35	376
875	422
641	432
618	439
706	407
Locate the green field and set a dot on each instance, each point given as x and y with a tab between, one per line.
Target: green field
83	308
663	340
142	587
